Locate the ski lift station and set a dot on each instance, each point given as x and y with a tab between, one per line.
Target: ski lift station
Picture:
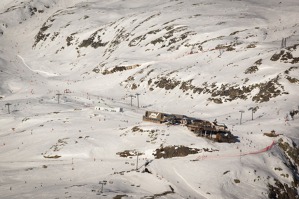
104	107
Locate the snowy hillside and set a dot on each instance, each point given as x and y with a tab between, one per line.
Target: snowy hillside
234	61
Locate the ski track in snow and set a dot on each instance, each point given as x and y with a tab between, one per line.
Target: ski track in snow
296	138
36	71
186	182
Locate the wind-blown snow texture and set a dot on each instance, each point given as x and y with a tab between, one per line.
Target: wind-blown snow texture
202	58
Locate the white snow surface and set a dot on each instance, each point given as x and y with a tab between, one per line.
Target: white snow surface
179	40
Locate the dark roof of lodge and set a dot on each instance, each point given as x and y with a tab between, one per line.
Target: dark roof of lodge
179	116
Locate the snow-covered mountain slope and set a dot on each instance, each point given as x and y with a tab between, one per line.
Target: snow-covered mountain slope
205	59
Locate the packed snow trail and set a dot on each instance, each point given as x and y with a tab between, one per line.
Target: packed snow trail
186	182
36	71
238	155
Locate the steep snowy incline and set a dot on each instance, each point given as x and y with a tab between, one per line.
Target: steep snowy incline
210	56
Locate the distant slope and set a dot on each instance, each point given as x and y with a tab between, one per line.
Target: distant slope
225	50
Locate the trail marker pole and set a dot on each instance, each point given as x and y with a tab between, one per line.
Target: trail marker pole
240	155
8	104
131	98
241	116
58	95
251	108
136	152
102	183
137	95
